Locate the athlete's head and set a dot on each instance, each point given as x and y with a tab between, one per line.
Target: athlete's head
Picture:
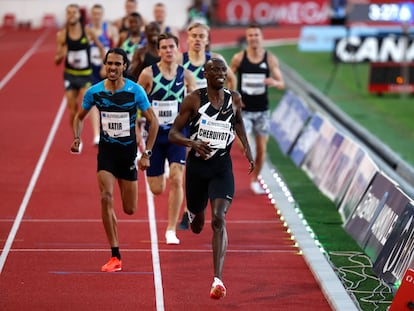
167	36
167	47
159	13
197	37
254	35
131	6
96	15
116	62
136	22
152	32
73	14
215	72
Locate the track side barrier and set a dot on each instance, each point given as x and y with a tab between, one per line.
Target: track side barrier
370	184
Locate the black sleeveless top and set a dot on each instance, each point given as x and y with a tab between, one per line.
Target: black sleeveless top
251	87
150	59
215	126
78	60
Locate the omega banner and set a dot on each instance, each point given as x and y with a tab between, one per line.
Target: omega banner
270	12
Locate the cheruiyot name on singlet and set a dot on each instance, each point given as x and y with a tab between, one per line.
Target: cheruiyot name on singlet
212	134
215	132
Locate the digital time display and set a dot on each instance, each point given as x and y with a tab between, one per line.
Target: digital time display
390	12
393	12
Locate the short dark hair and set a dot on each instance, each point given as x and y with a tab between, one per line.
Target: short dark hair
136	15
73	5
167	35
210	62
118	51
153	24
255	25
98	6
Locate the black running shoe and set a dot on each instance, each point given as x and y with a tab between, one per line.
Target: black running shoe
185	222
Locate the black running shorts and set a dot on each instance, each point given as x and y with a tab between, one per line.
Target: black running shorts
208	179
120	161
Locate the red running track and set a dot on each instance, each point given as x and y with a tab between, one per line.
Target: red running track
52	239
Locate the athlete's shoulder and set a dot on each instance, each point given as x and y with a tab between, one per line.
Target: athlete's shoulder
196	94
271	58
133	87
129	83
233	94
239	55
97	87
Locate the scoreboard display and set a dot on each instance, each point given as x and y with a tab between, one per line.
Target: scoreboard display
391	77
381	13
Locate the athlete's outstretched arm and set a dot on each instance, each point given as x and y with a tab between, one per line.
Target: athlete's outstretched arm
241	131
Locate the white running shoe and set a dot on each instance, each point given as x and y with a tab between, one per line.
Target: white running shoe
218	290
166	169
257	188
171	238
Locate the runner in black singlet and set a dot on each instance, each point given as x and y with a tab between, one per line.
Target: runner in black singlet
213	115
73	47
257	70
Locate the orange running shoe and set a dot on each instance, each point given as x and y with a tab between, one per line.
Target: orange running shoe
113	265
217	289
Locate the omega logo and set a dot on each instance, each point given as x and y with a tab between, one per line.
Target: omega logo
268	12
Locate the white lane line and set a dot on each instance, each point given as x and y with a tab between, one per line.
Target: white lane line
145	250
159	295
29	190
22	60
98	220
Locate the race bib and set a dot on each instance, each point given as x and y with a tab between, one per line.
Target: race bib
96	56
201	84
253	83
116	124
165	110
78	59
215	132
